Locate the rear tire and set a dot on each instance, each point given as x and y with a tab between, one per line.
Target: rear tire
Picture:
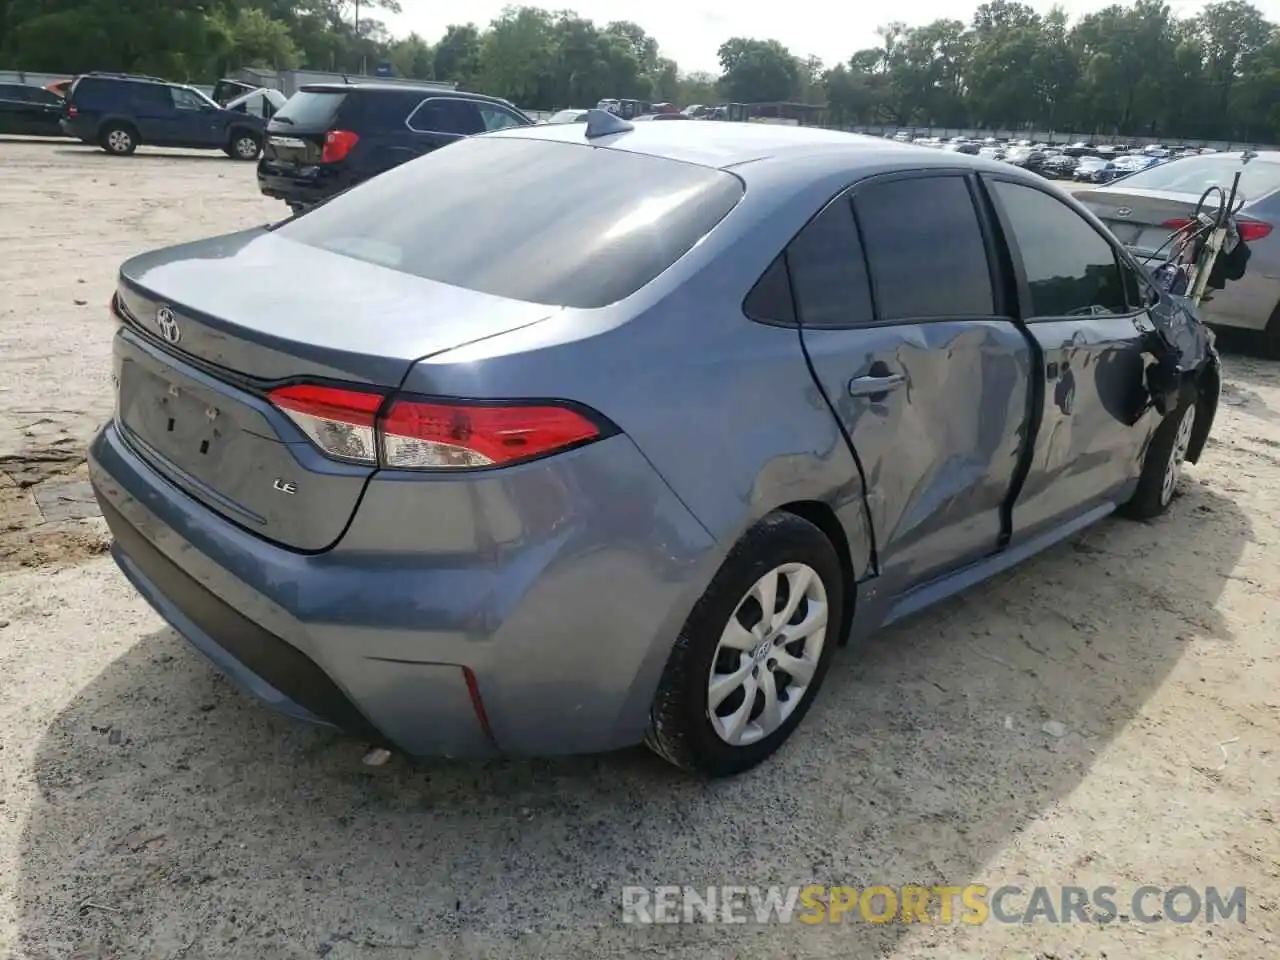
1162	465
119	139
727	700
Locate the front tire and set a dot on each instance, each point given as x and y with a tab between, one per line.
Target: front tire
243	146
1162	465
753	653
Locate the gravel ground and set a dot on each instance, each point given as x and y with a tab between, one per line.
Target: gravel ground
1105	714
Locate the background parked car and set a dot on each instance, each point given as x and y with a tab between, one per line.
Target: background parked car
1081	148
262	103
226	90
29	110
1095	170
119	112
329	137
1133	162
1144	208
1058	166
1026	156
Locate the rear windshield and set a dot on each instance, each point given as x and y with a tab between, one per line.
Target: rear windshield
1194	175
313	110
534	220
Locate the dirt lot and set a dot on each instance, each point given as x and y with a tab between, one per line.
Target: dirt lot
1106	714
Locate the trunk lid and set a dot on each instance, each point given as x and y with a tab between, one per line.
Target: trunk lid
1137	217
207	328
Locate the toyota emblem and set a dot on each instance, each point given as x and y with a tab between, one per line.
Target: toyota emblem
168	324
1124	212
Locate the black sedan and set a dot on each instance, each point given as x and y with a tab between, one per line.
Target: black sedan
1058	166
28	110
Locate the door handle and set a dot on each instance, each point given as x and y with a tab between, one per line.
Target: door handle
876	387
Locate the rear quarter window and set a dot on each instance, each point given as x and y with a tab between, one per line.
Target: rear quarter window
556	223
86	90
380	110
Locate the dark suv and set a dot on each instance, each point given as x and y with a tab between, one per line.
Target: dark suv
329	137
119	112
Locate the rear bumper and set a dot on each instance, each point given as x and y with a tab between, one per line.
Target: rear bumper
309	185
562	625
79	129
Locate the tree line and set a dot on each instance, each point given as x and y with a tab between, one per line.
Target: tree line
1134	69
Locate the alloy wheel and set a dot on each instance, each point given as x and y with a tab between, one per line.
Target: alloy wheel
1181	442
768	654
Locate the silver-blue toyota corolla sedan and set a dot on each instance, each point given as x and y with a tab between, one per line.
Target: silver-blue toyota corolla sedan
566	438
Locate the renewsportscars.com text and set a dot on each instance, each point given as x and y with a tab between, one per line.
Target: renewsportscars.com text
972	904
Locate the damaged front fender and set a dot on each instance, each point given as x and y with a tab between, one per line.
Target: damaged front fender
1186	367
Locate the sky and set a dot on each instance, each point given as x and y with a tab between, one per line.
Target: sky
690	31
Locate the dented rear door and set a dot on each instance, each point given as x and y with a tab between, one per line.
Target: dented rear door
929	380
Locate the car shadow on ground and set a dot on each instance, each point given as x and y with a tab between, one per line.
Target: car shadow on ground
26	138
1244	373
175	816
143	153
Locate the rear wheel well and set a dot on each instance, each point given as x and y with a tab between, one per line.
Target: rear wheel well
824	518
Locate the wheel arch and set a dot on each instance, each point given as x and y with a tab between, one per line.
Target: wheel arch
822	516
236	129
108	122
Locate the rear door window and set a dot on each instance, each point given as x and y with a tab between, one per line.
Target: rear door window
505	216
11	91
150	95
925	248
310	110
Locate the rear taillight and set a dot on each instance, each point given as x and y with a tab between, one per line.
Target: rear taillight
426	434
432	434
71	110
339	421
337	144
1250	230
